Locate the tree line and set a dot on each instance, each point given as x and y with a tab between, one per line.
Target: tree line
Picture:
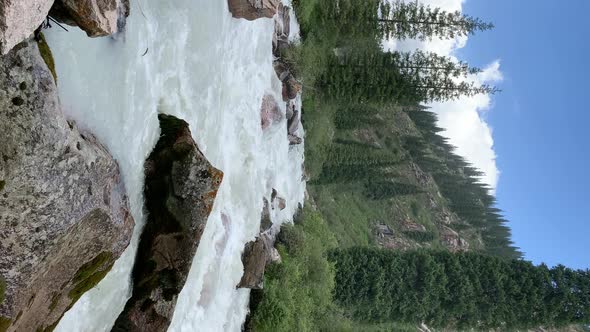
458	291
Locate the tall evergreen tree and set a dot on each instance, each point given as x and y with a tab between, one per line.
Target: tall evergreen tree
399	77
401	20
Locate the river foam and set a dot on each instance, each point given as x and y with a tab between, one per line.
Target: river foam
211	70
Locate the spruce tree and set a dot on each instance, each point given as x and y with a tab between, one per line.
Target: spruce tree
398	77
401	20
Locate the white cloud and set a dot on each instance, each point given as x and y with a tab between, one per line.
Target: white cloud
467	129
463	119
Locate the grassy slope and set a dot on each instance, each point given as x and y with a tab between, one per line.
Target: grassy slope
297	292
351	216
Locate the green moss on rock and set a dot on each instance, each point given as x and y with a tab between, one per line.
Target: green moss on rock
47	55
54	302
90	274
4	323
2	184
49	328
2	282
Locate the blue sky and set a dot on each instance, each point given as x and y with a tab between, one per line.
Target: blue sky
540	122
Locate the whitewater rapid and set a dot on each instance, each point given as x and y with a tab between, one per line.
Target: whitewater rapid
211	70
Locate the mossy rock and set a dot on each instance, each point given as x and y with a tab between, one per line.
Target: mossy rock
54	302
4	323
2	285
90	274
2	184
49	328
47	55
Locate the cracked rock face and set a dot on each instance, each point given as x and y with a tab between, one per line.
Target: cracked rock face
19	19
180	189
64	215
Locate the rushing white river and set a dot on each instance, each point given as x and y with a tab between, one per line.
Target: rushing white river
211	70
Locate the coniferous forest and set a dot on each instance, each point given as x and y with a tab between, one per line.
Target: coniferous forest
402	229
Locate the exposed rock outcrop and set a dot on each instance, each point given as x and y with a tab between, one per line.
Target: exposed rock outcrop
96	17
180	189
453	240
270	113
64	216
411	226
19	19
253	9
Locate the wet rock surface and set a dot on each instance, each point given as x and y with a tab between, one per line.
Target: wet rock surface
180	189
64	215
257	255
270	113
96	17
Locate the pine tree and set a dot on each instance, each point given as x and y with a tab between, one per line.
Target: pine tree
402	20
399	77
458	291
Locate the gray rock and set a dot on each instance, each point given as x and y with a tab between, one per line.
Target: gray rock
280	40
180	189
256	256
253	9
64	216
19	19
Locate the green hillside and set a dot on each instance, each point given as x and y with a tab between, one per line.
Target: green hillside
384	181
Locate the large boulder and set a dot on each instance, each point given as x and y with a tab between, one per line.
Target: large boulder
19	19
64	216
180	189
256	256
96	17
253	9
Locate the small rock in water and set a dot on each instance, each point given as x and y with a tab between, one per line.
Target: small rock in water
294	140
269	112
277	200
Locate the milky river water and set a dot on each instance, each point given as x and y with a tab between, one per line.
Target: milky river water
211	70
